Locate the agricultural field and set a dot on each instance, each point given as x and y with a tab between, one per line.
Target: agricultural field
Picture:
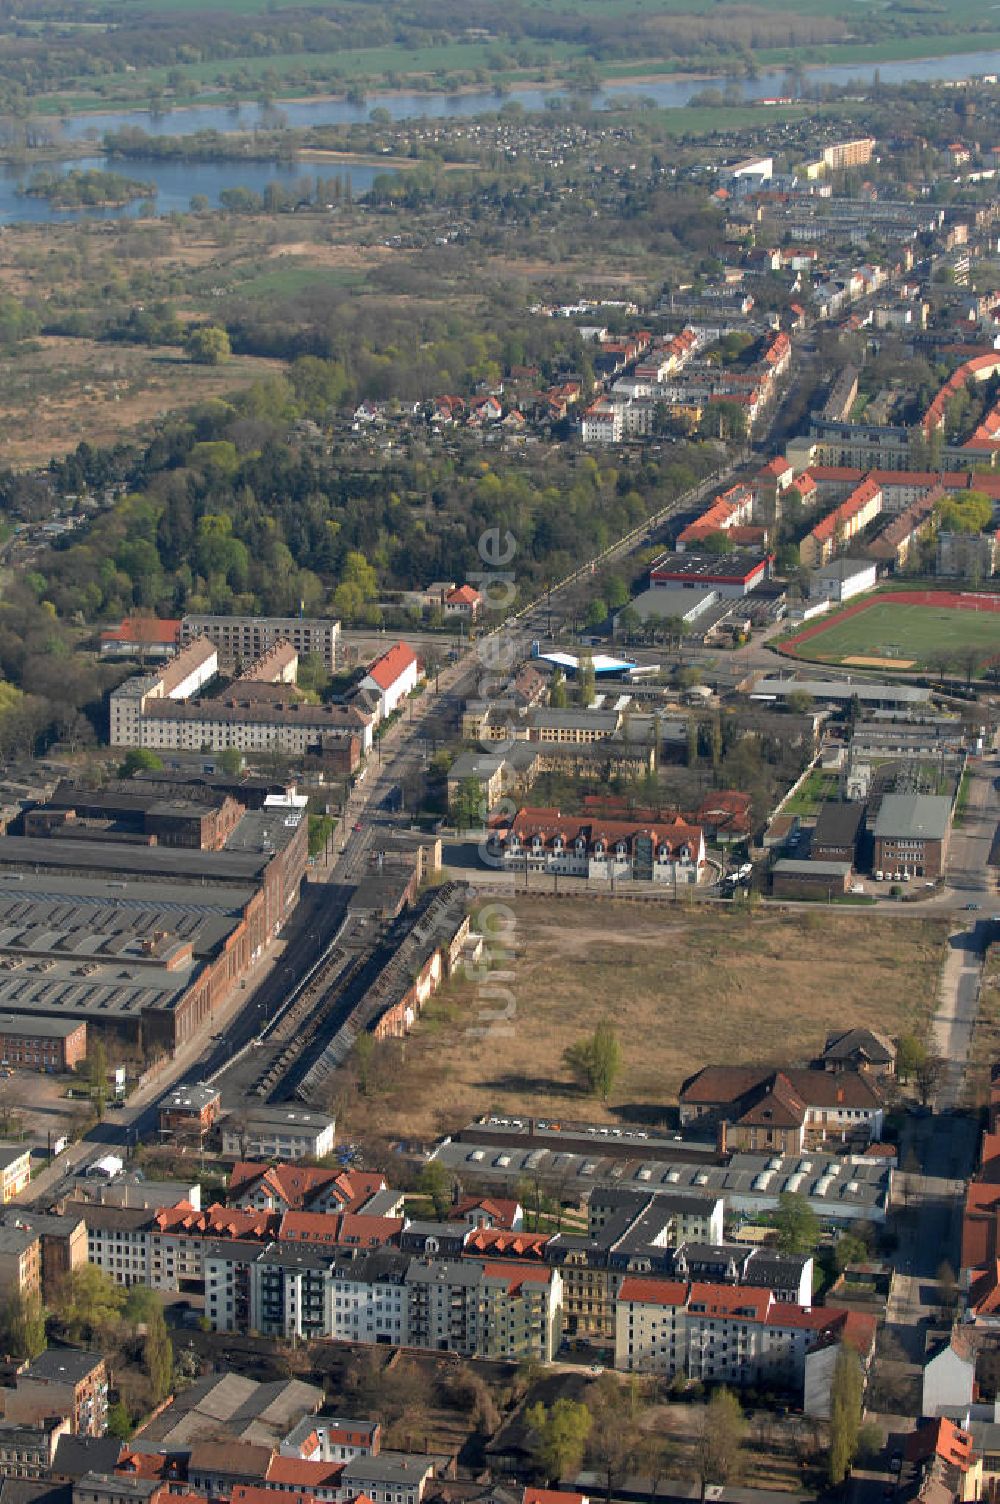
689	986
897	635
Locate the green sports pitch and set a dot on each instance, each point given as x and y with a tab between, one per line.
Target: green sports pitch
906	635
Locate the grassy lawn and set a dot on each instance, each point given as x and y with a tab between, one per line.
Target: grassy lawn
912	634
684	987
808	798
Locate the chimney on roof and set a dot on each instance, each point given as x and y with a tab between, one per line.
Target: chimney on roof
722	1136
840	1094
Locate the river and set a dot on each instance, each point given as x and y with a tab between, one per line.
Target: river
178	182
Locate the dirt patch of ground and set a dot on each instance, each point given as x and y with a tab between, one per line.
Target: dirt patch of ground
880	662
684	988
348	256
65	390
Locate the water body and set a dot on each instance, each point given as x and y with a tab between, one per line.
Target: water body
178	182
667	93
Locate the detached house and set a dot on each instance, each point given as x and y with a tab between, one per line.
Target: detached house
392	677
463	601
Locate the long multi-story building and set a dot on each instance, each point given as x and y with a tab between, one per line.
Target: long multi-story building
543	840
242	639
179	679
733	1335
845	522
260	711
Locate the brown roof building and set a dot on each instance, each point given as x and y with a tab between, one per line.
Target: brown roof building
779	1110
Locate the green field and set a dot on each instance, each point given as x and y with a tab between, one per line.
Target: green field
918	635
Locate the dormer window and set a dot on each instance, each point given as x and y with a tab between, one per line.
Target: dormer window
664	853
580	843
536	842
557	843
598	848
620	848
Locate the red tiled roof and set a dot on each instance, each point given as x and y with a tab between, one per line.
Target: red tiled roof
258	1493
144	629
551	1496
516	1275
340	1228
293	1472
859	498
392	665
500	1242
549	823
463	596
298	1185
653	1292
503	1209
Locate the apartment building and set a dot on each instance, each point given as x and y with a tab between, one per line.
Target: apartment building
28	1451
845	522
736	1336
332	1438
391	678
493	1309
62	1244
20	1259
62	1381
180	678
242	639
544	840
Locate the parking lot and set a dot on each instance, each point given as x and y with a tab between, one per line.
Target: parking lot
40	1104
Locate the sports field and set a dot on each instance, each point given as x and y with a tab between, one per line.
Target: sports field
902	633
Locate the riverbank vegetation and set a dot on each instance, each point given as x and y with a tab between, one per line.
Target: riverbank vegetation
87	189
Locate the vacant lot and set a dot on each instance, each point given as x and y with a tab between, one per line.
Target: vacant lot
684	987
915	635
64	390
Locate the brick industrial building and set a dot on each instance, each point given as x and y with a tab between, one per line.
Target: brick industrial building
42	1044
141	939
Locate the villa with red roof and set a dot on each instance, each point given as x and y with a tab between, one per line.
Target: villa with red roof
392	677
463	601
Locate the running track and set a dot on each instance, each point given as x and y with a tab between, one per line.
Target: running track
949	599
